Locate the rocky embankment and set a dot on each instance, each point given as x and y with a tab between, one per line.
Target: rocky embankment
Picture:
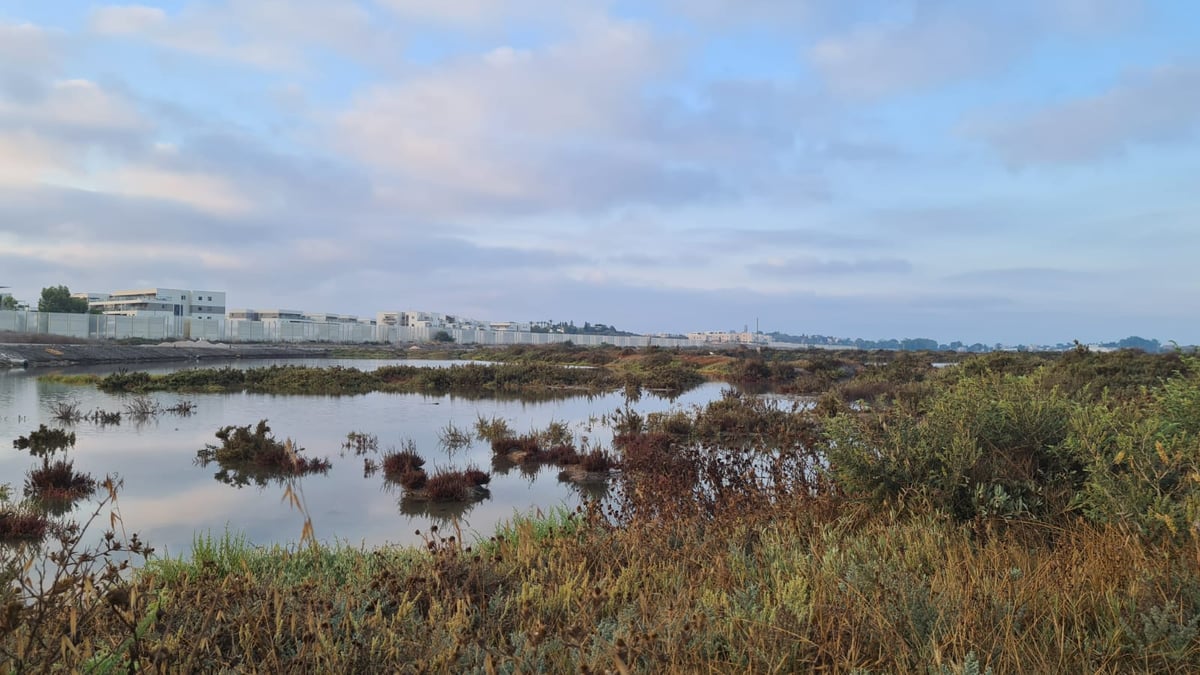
42	355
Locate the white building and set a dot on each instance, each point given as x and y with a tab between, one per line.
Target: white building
729	337
91	297
507	326
326	317
415	319
267	315
163	302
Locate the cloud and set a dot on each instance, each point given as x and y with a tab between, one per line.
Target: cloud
933	47
202	191
1025	277
816	267
104	255
517	130
27	159
28	55
127	19
735	239
982	218
480	13
1145	107
868	151
78	105
27	46
267	34
583	124
47	134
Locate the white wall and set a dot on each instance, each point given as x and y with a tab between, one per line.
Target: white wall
239	330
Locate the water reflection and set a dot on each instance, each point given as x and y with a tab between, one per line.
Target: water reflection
587	489
168	498
435	511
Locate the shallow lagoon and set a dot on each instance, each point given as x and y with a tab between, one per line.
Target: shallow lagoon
167	498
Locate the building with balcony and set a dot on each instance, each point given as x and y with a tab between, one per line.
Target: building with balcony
267	315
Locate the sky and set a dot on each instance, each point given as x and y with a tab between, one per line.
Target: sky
1016	172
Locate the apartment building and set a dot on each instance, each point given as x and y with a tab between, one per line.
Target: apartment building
175	302
729	337
266	315
415	319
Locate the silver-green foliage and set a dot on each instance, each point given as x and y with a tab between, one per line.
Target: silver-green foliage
989	445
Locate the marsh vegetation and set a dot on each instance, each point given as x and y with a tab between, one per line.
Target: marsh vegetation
1014	513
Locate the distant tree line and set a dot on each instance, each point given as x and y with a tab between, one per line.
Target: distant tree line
55	299
569	328
927	344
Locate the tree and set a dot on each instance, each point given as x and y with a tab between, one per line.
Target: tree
8	302
58	299
1136	342
442	336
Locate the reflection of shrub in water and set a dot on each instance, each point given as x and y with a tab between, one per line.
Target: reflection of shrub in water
593	467
22	525
361	443
441	511
66	411
58	483
104	417
247	456
45	441
142	408
183	408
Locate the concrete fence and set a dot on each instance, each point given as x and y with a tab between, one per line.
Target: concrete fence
102	326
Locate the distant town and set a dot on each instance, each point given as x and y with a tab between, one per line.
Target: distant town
172	313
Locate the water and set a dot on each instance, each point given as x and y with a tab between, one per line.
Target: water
167	498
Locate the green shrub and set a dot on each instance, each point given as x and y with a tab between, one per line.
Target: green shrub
1144	462
247	456
987	446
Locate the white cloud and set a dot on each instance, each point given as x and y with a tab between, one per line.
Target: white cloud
929	49
506	126
817	267
100	255
48	134
268	34
27	159
477	15
459	12
1146	107
211	193
78	104
127	19
25	44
